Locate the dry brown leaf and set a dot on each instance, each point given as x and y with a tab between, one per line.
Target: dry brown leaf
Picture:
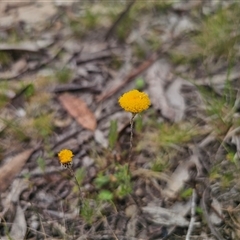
78	109
12	168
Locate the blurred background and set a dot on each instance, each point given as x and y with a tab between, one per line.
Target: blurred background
63	66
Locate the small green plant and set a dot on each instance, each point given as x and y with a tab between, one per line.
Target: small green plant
113	134
139	51
124	27
64	75
226	179
160	164
123	181
3	100
166	135
29	90
118	184
41	163
199	210
219	33
27	176
88	210
87	21
220	108
80	175
12	128
4	86
90	19
43	124
101	180
232	157
5	58
105	195
214	173
186	193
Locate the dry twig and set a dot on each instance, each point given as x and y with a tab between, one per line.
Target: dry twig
192	221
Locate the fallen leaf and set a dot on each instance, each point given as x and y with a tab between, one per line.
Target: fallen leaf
156	77
79	110
19	226
28	46
176	99
236	141
214	215
165	216
36	14
206	197
100	138
19	66
17	187
179	177
12	168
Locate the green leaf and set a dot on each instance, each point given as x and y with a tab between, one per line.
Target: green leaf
101	180
105	195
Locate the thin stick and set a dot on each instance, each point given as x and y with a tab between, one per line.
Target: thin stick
191	224
131	139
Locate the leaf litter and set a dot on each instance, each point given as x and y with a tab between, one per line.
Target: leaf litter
104	57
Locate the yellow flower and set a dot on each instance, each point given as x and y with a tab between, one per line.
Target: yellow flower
134	101
65	157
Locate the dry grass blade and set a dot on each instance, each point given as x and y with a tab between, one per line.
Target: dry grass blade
79	110
12	168
141	172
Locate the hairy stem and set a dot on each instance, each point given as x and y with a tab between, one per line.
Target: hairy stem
131	139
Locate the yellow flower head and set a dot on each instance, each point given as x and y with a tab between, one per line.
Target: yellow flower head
65	157
134	101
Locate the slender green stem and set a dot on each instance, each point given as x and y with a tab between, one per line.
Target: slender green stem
79	188
131	139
